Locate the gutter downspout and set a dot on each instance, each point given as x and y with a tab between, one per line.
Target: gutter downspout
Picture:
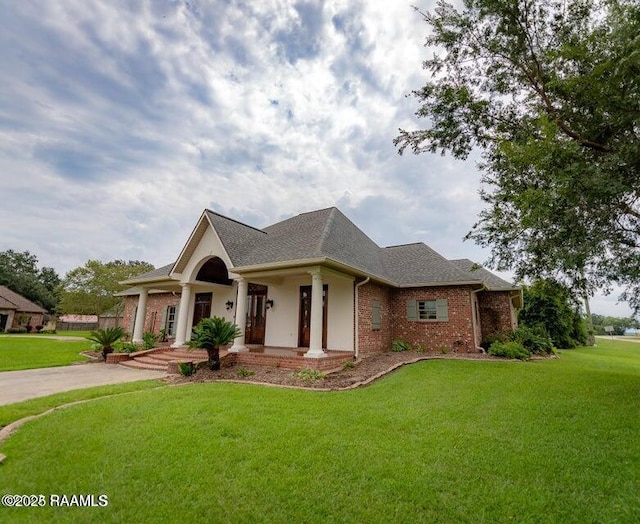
357	312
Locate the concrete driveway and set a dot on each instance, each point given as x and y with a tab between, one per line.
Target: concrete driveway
16	386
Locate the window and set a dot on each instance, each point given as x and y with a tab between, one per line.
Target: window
428	310
375	315
171	321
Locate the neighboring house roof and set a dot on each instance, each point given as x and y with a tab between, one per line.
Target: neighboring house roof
11	300
317	236
78	319
491	281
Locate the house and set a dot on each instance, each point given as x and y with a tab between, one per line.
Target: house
316	281
16	311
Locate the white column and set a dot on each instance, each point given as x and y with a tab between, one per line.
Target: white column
241	315
141	313
315	338
183	316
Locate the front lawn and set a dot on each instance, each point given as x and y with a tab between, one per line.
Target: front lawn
438	441
17	352
11	412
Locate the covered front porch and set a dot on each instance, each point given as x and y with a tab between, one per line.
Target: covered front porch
305	312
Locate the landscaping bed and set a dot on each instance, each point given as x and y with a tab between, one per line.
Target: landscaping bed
361	372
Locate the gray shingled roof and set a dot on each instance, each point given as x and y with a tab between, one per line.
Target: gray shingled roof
154	274
419	264
237	238
12	300
493	282
328	233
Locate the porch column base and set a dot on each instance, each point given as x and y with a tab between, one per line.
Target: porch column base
238	349
314	353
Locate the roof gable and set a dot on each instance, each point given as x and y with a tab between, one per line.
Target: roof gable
20	303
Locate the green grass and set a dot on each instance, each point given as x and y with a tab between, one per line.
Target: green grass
439	441
29	352
12	412
73	333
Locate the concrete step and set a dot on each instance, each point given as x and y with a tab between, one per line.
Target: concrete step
141	365
182	354
151	359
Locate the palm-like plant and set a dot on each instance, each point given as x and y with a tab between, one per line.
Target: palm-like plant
210	334
106	338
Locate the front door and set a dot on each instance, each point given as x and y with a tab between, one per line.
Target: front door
256	314
202	307
304	329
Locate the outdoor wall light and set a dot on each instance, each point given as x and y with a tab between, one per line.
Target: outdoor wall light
229	304
269	304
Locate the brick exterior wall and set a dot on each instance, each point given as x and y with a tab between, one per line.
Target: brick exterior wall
377	340
34	319
431	334
496	312
156	304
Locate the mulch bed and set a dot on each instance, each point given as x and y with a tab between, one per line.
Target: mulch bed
363	372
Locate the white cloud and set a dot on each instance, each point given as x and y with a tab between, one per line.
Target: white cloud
120	122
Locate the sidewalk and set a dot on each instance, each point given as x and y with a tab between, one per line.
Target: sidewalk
16	386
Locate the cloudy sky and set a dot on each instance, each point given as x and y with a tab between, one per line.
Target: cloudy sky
121	121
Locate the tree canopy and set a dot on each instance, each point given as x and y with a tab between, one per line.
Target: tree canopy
549	92
19	272
553	306
88	290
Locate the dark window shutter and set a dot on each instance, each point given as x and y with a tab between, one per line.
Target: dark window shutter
412	310
442	309
375	314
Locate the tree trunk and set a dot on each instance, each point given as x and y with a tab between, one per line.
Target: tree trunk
213	352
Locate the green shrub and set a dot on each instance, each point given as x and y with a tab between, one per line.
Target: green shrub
186	368
349	364
400	344
125	347
498	336
17	330
244	372
511	349
106	338
48	332
310	374
535	339
149	340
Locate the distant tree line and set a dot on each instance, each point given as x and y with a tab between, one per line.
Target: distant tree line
619	324
85	290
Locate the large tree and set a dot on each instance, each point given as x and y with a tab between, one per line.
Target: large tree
19	272
553	306
549	92
89	289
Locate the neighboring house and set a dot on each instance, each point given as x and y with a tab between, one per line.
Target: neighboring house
16	311
316	281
